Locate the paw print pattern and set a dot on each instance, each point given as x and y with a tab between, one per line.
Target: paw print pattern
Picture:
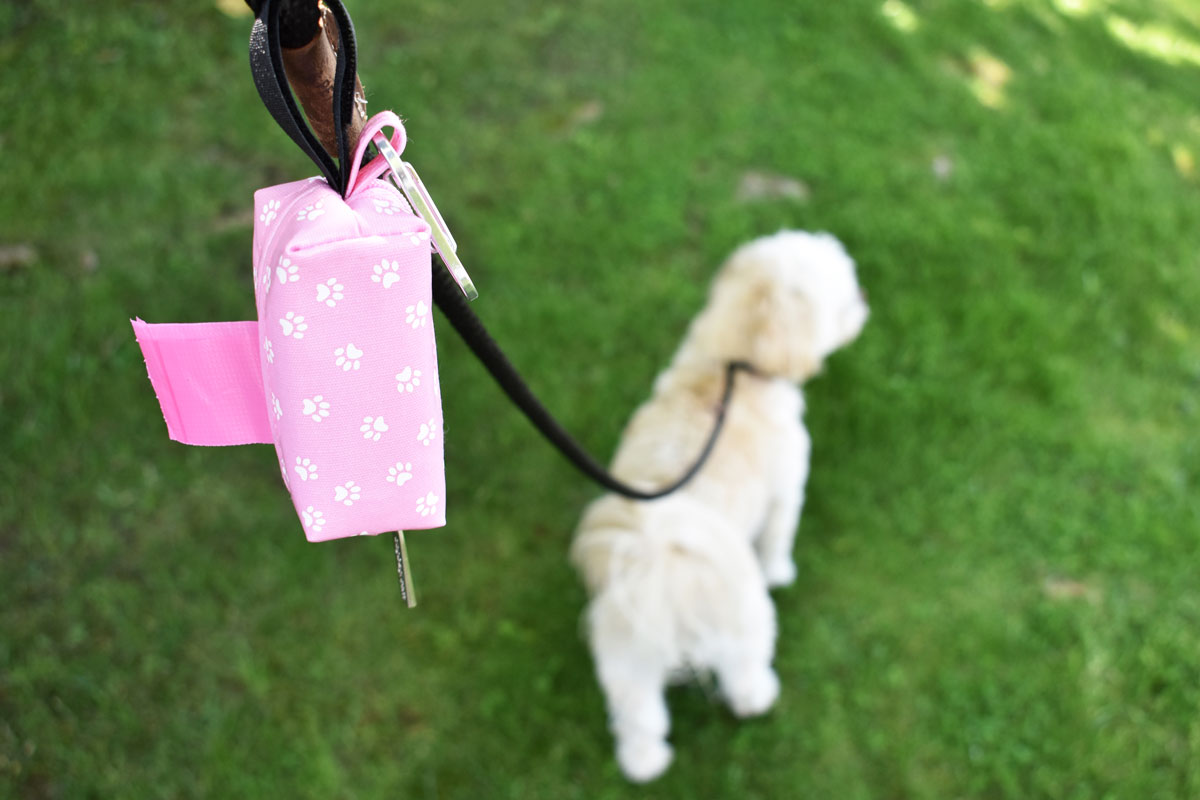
278	408
313	520
417	314
330	292
428	432
306	469
266	279
311	212
427	504
269	210
315	408
400	474
286	272
418	237
348	357
283	472
373	428
391	206
347	493
386	273
408	379
269	350
293	325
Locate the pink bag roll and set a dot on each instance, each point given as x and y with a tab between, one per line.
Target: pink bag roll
345	362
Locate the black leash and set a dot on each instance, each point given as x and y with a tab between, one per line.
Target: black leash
266	64
452	303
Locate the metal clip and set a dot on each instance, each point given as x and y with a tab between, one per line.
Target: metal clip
409	182
408	592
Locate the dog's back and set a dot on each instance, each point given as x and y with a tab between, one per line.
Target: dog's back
667	577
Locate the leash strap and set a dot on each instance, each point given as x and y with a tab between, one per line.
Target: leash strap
266	64
452	303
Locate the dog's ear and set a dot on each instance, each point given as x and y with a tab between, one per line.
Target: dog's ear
782	332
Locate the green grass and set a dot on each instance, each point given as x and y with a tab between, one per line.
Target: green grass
998	594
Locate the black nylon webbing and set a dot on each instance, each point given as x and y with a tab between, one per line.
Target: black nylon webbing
266	66
454	305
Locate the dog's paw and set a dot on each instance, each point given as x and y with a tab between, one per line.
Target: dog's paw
780	572
644	759
755	696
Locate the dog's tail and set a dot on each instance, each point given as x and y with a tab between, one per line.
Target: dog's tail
670	576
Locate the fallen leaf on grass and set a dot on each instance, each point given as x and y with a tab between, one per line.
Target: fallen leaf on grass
1058	588
943	167
585	114
755	186
17	256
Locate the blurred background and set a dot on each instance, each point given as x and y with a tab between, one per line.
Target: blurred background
997	593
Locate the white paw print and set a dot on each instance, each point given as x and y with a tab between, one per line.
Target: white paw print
266	279
390	206
373	428
400	474
348	357
293	325
330	292
427	505
386	273
418	237
347	493
428	432
270	351
269	210
283	472
417	314
315	407
286	272
313	520
306	469
311	212
278	408
408	379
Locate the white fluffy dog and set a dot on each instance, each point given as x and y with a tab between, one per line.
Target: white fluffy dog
680	584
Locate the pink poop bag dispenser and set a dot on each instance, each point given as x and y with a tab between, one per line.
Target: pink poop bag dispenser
340	371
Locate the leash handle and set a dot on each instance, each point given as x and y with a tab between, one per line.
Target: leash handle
455	306
270	78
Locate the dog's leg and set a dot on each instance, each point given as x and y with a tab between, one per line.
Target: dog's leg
743	665
633	680
783	517
637	714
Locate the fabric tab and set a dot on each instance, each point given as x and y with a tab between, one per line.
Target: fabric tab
208	380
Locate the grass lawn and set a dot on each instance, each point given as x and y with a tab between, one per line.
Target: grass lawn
998	593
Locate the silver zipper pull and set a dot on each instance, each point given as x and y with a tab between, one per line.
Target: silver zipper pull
409	182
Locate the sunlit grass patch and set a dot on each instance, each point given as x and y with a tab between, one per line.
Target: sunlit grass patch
900	15
1157	41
